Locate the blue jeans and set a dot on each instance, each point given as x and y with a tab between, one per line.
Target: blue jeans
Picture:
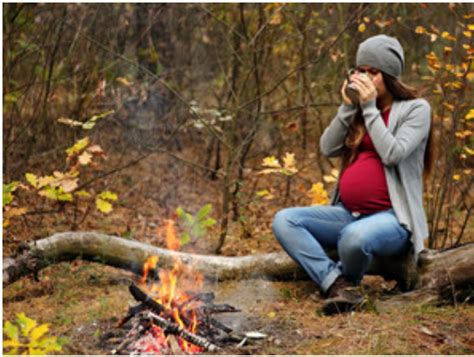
304	231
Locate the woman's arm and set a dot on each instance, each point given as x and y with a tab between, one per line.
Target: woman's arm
332	140
414	128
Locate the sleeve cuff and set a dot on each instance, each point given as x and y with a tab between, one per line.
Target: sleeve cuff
371	104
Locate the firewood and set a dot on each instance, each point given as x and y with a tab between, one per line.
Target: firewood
171	327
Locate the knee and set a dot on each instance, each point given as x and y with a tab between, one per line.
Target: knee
282	220
352	242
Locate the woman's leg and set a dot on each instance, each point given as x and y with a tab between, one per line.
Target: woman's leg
303	231
378	234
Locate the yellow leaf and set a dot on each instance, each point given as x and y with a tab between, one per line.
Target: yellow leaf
262	193
448	106
470	114
366	19
318	194
78	147
83	193
447	36
456	177
107	195
470	27
420	29
32	179
271	161
335	172
38	332
469	151
362	27
271	314
467	171
468	34
103	206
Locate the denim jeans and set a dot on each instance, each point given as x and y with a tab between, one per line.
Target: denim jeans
304	232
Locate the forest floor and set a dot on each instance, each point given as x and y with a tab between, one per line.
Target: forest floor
83	301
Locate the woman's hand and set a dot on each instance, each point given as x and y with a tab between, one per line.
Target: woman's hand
365	87
345	98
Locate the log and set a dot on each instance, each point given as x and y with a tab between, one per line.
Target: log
436	270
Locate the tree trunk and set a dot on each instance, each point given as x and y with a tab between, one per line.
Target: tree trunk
439	273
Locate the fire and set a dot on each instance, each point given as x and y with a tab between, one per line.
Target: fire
171	291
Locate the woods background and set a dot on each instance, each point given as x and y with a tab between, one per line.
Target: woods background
120	117
194	97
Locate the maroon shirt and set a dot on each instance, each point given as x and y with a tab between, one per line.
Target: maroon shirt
362	186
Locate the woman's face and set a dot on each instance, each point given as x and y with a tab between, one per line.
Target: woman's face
377	79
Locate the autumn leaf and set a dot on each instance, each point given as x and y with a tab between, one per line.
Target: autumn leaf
78	147
362	27
85	158
289	164
420	29
70	122
470	115
318	194
124	81
271	161
107	195
103	206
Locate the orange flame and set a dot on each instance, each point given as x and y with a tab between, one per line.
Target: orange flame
150	263
170	292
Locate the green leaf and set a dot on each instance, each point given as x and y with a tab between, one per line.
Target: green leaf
11	330
180	212
185	238
103	206
208	222
7	198
56	194
26	324
203	212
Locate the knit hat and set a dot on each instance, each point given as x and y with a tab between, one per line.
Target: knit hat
383	53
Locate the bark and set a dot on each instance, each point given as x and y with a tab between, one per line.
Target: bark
438	273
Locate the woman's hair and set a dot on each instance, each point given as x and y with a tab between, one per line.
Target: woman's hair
357	130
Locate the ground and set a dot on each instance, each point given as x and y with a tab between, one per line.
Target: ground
84	301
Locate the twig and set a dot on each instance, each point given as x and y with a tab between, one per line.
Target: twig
170	327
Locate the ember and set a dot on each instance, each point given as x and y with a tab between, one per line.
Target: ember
172	316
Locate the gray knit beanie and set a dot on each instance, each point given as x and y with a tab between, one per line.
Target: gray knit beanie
383	53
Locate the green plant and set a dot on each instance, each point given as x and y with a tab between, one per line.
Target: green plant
195	226
26	337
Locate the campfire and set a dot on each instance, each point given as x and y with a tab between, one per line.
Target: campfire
173	316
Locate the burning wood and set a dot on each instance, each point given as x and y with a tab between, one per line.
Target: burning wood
170	319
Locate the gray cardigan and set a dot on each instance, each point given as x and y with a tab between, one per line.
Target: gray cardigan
401	147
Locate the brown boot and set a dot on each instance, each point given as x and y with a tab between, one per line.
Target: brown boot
342	297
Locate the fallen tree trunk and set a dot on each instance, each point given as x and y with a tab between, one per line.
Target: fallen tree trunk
436	272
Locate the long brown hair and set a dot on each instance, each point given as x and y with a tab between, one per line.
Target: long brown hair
357	130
